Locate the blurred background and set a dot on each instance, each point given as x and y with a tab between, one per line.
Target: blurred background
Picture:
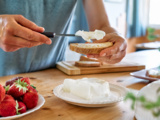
137	20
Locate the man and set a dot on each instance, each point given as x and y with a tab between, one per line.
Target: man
24	49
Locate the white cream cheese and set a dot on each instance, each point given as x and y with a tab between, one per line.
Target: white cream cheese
154	72
97	34
87	88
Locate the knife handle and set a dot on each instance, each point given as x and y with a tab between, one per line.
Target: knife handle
49	34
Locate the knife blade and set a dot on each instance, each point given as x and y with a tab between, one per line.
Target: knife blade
52	34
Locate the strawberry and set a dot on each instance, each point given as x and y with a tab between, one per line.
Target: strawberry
9	98
20	107
11	81
26	79
8	106
32	88
2	93
18	89
30	99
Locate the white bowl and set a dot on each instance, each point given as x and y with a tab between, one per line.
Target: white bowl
41	101
150	92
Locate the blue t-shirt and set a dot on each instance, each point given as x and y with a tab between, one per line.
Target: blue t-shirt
54	16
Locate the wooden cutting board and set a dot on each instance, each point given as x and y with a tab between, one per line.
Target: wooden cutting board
69	68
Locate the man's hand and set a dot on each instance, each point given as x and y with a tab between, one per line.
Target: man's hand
18	32
98	19
112	54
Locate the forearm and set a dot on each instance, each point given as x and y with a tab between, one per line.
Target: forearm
97	16
98	19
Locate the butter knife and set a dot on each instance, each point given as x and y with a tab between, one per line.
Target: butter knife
52	34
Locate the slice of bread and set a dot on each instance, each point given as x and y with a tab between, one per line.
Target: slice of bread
84	58
87	64
89	48
153	72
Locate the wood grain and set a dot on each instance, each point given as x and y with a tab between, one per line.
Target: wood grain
69	68
56	109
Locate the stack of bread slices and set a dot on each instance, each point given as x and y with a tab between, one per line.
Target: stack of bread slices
89	48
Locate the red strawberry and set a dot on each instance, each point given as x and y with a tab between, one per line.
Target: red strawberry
2	93
8	106
26	79
9	98
18	89
11	81
32	88
21	107
30	98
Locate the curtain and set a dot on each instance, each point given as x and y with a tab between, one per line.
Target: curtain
137	17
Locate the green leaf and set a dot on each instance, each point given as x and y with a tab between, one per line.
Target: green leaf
151	30
158	102
7	88
132	97
33	86
151	37
158	90
156	114
142	99
21	85
17	110
148	105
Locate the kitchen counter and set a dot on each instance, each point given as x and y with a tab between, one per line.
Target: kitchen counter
56	109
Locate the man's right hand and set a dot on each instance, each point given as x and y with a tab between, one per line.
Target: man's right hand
18	32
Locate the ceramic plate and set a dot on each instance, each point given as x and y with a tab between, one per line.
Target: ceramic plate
117	94
142	74
41	101
150	92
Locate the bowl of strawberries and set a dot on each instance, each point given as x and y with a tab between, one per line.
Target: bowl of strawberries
18	98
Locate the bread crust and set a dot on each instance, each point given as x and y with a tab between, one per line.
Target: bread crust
84	58
149	74
89	48
87	64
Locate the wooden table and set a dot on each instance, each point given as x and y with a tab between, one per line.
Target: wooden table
56	109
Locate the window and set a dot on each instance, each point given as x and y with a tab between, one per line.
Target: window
154	13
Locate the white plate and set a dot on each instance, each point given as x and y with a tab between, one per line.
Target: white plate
142	74
149	92
41	101
117	94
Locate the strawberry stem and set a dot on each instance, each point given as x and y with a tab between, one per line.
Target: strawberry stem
21	85
17	110
7	88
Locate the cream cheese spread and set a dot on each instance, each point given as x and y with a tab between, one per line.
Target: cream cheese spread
87	88
87	36
154	72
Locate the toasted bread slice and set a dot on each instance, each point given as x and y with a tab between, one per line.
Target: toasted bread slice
89	48
153	72
87	64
